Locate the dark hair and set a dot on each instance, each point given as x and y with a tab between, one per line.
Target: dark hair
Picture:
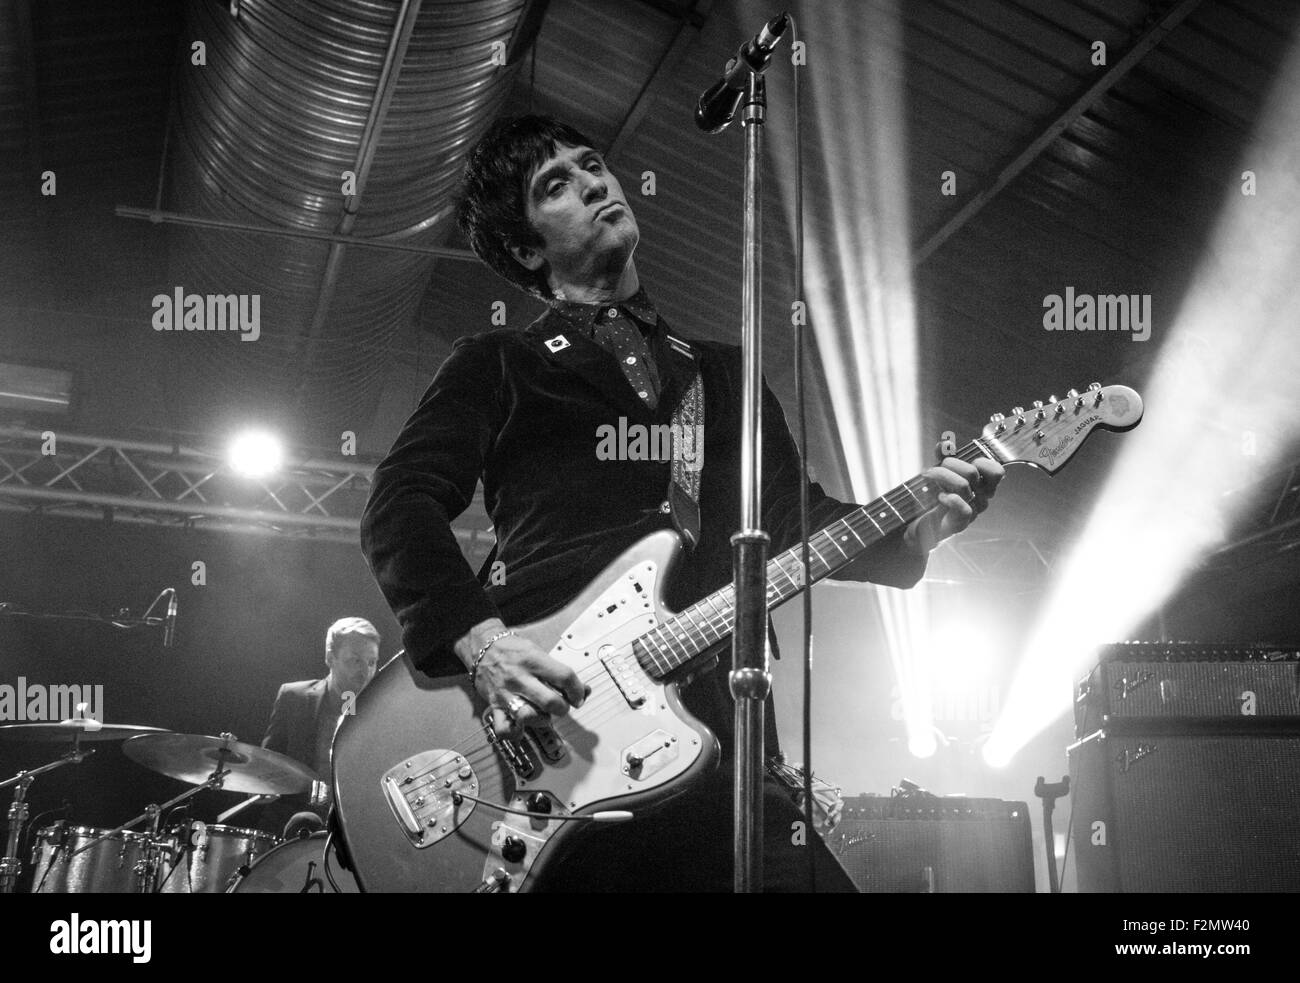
493	210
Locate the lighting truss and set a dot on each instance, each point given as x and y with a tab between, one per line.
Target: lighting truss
74	475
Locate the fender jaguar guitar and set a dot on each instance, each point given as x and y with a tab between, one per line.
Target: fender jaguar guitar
430	799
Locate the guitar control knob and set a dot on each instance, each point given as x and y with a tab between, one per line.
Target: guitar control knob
514	849
539	802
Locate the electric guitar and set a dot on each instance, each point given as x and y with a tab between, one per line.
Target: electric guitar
430	799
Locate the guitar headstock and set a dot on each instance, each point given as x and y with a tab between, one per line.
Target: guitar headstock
1048	433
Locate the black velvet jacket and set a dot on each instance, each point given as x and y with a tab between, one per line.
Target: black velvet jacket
523	415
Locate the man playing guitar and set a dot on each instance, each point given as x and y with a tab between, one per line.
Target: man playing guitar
522	411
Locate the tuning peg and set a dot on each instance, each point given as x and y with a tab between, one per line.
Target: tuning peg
1052	399
998	418
1038	410
1094	386
1072	394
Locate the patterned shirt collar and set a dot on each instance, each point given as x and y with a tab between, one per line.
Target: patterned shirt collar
585	316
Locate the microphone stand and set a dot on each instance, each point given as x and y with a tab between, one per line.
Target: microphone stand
751	679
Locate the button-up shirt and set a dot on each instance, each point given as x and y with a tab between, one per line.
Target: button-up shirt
623	328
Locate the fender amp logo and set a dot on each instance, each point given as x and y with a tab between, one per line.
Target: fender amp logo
1127	758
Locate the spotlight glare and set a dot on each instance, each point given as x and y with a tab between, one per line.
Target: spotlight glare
255	454
1220	411
922	745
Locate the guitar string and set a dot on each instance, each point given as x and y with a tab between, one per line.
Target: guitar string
606	697
688	629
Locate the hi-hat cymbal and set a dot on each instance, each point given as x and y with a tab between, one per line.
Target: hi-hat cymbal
86	729
193	758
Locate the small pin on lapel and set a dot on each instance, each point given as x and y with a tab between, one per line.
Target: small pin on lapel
558	343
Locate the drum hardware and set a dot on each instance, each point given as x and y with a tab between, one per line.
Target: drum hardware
74	859
295	867
239	807
11	865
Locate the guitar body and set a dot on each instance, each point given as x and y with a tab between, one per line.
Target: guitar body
420	783
414	742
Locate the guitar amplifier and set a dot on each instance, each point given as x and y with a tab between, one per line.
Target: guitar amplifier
1150	681
1186	812
935	845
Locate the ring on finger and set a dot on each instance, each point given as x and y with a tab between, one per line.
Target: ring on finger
515	705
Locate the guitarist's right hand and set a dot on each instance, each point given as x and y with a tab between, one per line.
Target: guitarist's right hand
519	681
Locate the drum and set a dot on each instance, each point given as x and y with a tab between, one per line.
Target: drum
203	859
295	867
60	865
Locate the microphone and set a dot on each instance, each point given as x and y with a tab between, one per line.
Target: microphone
169	623
717	106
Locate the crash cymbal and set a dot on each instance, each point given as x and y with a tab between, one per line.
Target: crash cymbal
193	758
84	728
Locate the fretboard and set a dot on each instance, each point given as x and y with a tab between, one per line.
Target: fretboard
700	627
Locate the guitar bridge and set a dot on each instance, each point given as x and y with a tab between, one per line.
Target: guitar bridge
515	752
421	792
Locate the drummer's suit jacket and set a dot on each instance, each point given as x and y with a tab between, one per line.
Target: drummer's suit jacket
293	725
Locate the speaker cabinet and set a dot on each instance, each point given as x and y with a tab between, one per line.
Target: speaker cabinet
1156	811
1184	681
936	845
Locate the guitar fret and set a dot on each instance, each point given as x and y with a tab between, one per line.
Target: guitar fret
694	626
721	617
649	649
813	549
869	517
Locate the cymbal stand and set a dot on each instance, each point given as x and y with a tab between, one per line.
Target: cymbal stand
11	865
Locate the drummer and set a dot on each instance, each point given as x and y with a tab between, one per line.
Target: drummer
306	712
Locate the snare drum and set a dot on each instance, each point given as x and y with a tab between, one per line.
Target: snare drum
296	867
65	862
203	859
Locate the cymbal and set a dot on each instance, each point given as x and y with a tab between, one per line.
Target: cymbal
85	728
193	757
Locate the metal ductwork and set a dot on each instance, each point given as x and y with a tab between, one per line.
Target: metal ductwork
293	95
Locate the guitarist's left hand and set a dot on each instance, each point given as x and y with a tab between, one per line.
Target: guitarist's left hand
967	489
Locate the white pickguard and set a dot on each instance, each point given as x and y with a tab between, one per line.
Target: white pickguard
598	734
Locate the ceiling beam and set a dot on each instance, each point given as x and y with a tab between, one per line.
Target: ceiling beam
1081	103
692	19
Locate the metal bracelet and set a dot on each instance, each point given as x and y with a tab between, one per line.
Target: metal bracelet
473	669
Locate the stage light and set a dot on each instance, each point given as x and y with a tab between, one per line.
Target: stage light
255	454
1220	411
858	285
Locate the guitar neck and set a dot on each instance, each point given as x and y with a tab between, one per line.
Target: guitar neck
700	627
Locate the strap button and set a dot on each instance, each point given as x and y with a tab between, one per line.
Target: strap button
666	507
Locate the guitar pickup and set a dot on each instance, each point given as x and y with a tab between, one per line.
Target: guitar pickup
515	752
625	672
548	742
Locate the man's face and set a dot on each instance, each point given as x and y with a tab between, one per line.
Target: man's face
579	209
353	663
